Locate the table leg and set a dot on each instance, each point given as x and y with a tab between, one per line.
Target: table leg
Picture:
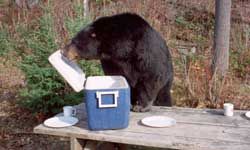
76	144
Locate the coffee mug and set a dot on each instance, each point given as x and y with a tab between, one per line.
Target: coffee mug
69	111
228	109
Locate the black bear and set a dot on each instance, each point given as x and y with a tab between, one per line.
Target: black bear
127	45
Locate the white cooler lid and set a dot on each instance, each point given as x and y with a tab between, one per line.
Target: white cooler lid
69	70
106	82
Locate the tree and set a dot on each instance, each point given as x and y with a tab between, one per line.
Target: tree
221	37
86	8
220	60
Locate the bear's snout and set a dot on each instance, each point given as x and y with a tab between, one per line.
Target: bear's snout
70	52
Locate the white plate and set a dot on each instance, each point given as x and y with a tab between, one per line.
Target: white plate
247	114
61	121
69	70
158	121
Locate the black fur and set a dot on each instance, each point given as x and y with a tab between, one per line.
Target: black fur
127	45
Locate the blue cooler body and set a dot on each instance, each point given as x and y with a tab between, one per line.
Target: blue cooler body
107	101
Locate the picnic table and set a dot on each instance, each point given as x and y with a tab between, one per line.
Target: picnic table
196	129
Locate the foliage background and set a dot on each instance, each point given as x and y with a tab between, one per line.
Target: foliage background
29	35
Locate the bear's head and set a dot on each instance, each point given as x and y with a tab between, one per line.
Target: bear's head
107	38
84	45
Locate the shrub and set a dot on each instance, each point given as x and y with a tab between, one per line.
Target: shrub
46	91
44	85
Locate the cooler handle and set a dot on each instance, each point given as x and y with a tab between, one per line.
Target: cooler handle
99	97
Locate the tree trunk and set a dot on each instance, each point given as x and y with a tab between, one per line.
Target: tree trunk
221	37
86	8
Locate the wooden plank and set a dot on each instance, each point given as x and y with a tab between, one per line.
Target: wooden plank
205	117
195	129
180	140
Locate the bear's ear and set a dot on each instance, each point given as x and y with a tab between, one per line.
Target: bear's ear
93	35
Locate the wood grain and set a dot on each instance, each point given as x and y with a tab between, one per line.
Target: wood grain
196	129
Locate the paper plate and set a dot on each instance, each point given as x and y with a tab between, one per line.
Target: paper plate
247	114
158	121
69	70
61	121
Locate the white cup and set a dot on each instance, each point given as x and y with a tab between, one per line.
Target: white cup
69	111
228	109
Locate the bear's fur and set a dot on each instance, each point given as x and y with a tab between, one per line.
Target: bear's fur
127	45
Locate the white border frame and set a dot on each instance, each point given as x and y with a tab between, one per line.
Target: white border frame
99	97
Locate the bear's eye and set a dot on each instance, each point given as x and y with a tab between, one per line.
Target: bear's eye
93	35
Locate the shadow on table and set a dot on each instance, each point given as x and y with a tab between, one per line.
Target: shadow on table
215	112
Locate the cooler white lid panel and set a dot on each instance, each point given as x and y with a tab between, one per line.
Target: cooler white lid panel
106	82
69	70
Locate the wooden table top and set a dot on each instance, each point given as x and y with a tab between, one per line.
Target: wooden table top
196	129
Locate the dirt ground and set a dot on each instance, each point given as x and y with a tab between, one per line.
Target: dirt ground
16	130
16	124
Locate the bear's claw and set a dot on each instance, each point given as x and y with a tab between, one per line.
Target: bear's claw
138	108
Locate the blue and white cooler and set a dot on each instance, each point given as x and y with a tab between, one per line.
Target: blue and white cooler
107	102
107	98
